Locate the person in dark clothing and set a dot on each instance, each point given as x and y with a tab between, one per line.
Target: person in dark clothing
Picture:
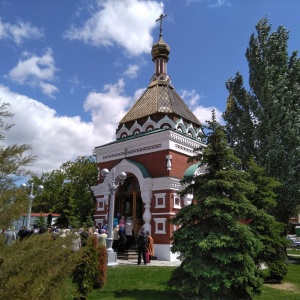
142	245
23	233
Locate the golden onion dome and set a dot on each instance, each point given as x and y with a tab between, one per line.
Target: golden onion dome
160	50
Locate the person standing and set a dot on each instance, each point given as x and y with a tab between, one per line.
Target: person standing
115	245
142	241
102	237
10	236
129	231
150	248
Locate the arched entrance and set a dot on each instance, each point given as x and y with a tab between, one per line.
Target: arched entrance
129	202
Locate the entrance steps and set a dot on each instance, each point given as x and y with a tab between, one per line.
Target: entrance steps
131	254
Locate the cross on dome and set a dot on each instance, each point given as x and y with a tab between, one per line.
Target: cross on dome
160	19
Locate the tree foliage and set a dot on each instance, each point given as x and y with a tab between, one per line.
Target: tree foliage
68	191
217	250
36	267
14	164
264	121
264	226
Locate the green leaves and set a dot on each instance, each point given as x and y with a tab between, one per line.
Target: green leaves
264	122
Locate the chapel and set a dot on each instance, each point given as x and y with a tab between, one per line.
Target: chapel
153	142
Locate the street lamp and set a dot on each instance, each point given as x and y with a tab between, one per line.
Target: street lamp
111	255
31	197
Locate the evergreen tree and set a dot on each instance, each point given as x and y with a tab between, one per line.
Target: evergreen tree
264	226
218	251
264	121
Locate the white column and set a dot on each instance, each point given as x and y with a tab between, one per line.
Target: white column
146	197
169	162
187	200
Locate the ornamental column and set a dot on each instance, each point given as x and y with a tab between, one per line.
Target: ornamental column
146	198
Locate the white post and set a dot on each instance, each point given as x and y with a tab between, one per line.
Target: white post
111	254
31	197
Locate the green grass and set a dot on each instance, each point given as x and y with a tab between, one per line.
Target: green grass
148	283
288	290
294	251
134	283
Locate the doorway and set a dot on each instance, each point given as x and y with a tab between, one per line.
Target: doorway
129	202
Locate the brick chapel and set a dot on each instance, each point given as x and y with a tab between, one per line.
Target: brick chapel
153	143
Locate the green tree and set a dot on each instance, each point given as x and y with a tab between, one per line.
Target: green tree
14	165
82	174
66	208
218	251
264	121
76	177
264	226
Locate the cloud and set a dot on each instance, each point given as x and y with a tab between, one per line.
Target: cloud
126	23
56	139
19	32
35	70
211	3
48	89
132	71
220	3
108	108
192	99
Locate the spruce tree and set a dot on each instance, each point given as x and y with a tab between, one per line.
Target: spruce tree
264	225
217	249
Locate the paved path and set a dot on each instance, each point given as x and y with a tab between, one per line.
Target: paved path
157	263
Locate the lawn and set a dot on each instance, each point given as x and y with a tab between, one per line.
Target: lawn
133	282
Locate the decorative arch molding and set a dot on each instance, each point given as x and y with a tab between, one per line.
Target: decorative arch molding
199	131
165	120
135	127
122	131
148	123
128	167
180	125
190	129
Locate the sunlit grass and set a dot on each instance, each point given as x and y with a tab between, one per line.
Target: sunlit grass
148	282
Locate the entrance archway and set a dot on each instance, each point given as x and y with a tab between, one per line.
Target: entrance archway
129	202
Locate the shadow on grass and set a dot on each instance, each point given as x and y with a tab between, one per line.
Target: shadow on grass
295	259
146	294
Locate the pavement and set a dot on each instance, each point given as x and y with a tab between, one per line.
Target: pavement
157	263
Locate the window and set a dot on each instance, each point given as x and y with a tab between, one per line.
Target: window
176	201
100	206
160	200
160	225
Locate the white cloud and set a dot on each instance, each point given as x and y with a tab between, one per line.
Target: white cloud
204	114
192	99
211	3
132	71
107	109
48	89
127	23
19	32
35	70
220	3
56	139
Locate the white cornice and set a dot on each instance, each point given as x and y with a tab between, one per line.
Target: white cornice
150	143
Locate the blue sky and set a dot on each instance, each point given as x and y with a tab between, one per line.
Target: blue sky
71	69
